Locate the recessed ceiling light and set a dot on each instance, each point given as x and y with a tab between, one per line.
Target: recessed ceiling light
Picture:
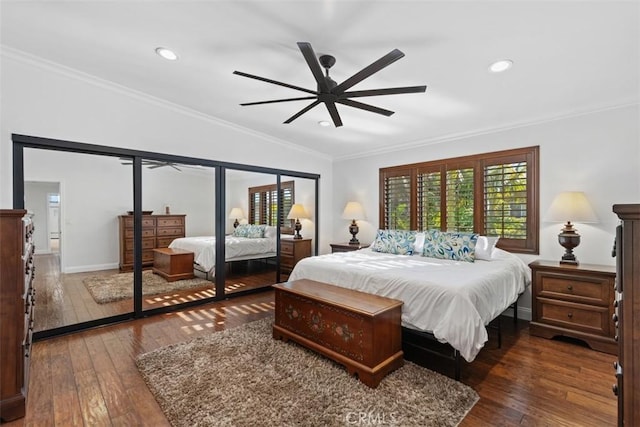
500	66
323	123
166	53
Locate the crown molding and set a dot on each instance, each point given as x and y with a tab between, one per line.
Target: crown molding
47	65
484	131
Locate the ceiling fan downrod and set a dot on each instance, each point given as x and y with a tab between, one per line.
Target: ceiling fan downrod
327	61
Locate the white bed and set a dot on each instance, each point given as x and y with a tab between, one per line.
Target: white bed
453	300
236	249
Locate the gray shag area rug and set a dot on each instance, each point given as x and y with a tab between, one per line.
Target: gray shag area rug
105	289
243	377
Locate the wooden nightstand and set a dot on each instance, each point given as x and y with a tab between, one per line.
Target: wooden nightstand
346	247
292	251
574	301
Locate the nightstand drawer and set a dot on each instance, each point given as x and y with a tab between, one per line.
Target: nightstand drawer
579	317
286	247
587	290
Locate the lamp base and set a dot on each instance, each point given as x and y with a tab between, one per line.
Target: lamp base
353	229
298	227
569	239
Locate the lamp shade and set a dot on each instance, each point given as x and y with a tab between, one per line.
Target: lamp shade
571	206
297	211
236	213
353	210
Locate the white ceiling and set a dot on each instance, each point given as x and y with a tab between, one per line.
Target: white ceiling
570	57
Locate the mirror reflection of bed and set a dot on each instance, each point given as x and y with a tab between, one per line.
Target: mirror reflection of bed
83	282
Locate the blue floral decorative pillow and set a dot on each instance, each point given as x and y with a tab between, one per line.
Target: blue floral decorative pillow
399	242
256	230
450	245
241	230
249	230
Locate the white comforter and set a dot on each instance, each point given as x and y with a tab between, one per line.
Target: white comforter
453	300
204	248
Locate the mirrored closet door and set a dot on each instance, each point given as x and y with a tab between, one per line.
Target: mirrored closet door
77	246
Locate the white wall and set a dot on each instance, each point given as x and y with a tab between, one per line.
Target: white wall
596	153
42	99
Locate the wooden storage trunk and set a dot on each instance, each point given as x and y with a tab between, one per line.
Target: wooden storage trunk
358	330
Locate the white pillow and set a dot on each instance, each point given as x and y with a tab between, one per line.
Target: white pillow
485	246
270	232
419	244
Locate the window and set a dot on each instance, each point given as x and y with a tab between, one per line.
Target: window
263	205
494	194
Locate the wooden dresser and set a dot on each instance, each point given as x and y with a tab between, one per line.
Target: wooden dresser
292	251
17	298
158	231
627	316
574	301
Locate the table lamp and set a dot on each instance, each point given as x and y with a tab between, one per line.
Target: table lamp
570	206
353	211
297	211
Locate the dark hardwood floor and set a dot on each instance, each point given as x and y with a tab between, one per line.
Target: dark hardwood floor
90	378
62	299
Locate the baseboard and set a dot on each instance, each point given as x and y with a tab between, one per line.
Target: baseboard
85	268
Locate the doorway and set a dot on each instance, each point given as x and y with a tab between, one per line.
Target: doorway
43	203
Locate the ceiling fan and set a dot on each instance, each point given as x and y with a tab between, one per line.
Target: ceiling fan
152	164
330	92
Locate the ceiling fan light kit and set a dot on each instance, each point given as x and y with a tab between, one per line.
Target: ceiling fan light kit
330	92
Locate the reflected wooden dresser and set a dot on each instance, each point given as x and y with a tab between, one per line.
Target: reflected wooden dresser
17	298
158	231
627	315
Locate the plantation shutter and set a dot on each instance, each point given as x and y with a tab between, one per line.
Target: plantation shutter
495	194
505	199
397	201
429	200
459	200
263	205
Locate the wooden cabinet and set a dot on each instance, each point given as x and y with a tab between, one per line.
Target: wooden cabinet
292	251
347	247
17	299
574	301
627	316
158	231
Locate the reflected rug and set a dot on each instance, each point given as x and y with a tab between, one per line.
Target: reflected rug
243	377
105	289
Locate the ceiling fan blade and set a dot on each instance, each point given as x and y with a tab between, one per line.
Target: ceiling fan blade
301	112
275	82
333	111
278	100
389	91
314	65
362	106
378	65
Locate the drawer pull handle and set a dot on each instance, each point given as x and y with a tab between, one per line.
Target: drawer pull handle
570	287
569	315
